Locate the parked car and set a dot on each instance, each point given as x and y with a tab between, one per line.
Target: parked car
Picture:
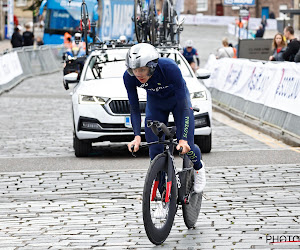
100	105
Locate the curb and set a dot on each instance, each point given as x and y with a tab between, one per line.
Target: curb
256	124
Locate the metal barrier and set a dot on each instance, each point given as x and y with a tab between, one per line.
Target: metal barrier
34	61
286	124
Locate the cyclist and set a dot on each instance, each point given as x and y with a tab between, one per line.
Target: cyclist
166	92
123	39
191	55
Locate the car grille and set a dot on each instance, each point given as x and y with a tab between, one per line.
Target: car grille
123	107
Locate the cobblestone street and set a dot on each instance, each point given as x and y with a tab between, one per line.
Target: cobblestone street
102	209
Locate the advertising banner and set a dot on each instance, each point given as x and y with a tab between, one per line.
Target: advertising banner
10	67
117	19
276	85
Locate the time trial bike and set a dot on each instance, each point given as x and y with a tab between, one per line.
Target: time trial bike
165	188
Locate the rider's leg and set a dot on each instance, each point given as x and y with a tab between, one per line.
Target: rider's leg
194	154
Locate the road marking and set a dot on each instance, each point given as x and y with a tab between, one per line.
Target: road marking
268	140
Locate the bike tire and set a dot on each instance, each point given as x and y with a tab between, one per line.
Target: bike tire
85	24
156	230
138	26
191	210
152	22
172	24
166	20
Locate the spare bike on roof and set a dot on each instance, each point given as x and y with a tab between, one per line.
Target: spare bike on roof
85	24
154	27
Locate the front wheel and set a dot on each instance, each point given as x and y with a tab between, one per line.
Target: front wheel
158	215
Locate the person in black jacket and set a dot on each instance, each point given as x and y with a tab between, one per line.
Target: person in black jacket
297	57
28	36
16	39
260	32
293	45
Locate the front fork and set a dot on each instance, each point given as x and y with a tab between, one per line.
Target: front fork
171	169
170	173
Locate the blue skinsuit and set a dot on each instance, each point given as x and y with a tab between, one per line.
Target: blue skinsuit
189	56
166	92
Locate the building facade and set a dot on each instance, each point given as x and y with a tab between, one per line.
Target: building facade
217	8
268	8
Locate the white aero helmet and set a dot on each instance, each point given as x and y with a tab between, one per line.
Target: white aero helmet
141	55
189	43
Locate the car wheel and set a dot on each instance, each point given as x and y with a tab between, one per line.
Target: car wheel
204	143
82	148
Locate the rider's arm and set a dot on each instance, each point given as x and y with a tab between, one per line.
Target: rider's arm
135	112
197	58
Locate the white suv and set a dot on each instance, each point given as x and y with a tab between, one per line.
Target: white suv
101	110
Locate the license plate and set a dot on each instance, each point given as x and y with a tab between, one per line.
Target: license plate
128	122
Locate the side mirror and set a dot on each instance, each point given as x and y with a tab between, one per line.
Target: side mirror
203	74
70	78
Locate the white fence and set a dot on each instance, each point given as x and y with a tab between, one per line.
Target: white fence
19	64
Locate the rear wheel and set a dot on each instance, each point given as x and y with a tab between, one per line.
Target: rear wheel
82	148
138	20
191	210
204	143
166	20
152	25
158	215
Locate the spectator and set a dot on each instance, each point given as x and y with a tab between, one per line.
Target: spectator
16	39
272	15
16	21
226	50
28	36
234	50
191	55
297	57
293	44
67	40
264	22
260	32
279	47
123	39
39	41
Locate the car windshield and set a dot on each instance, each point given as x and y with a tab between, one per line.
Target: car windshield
185	71
111	64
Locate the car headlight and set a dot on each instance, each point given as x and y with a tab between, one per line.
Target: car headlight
201	95
88	99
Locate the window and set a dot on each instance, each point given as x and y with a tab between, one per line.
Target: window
201	5
179	5
178	58
282	15
21	3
